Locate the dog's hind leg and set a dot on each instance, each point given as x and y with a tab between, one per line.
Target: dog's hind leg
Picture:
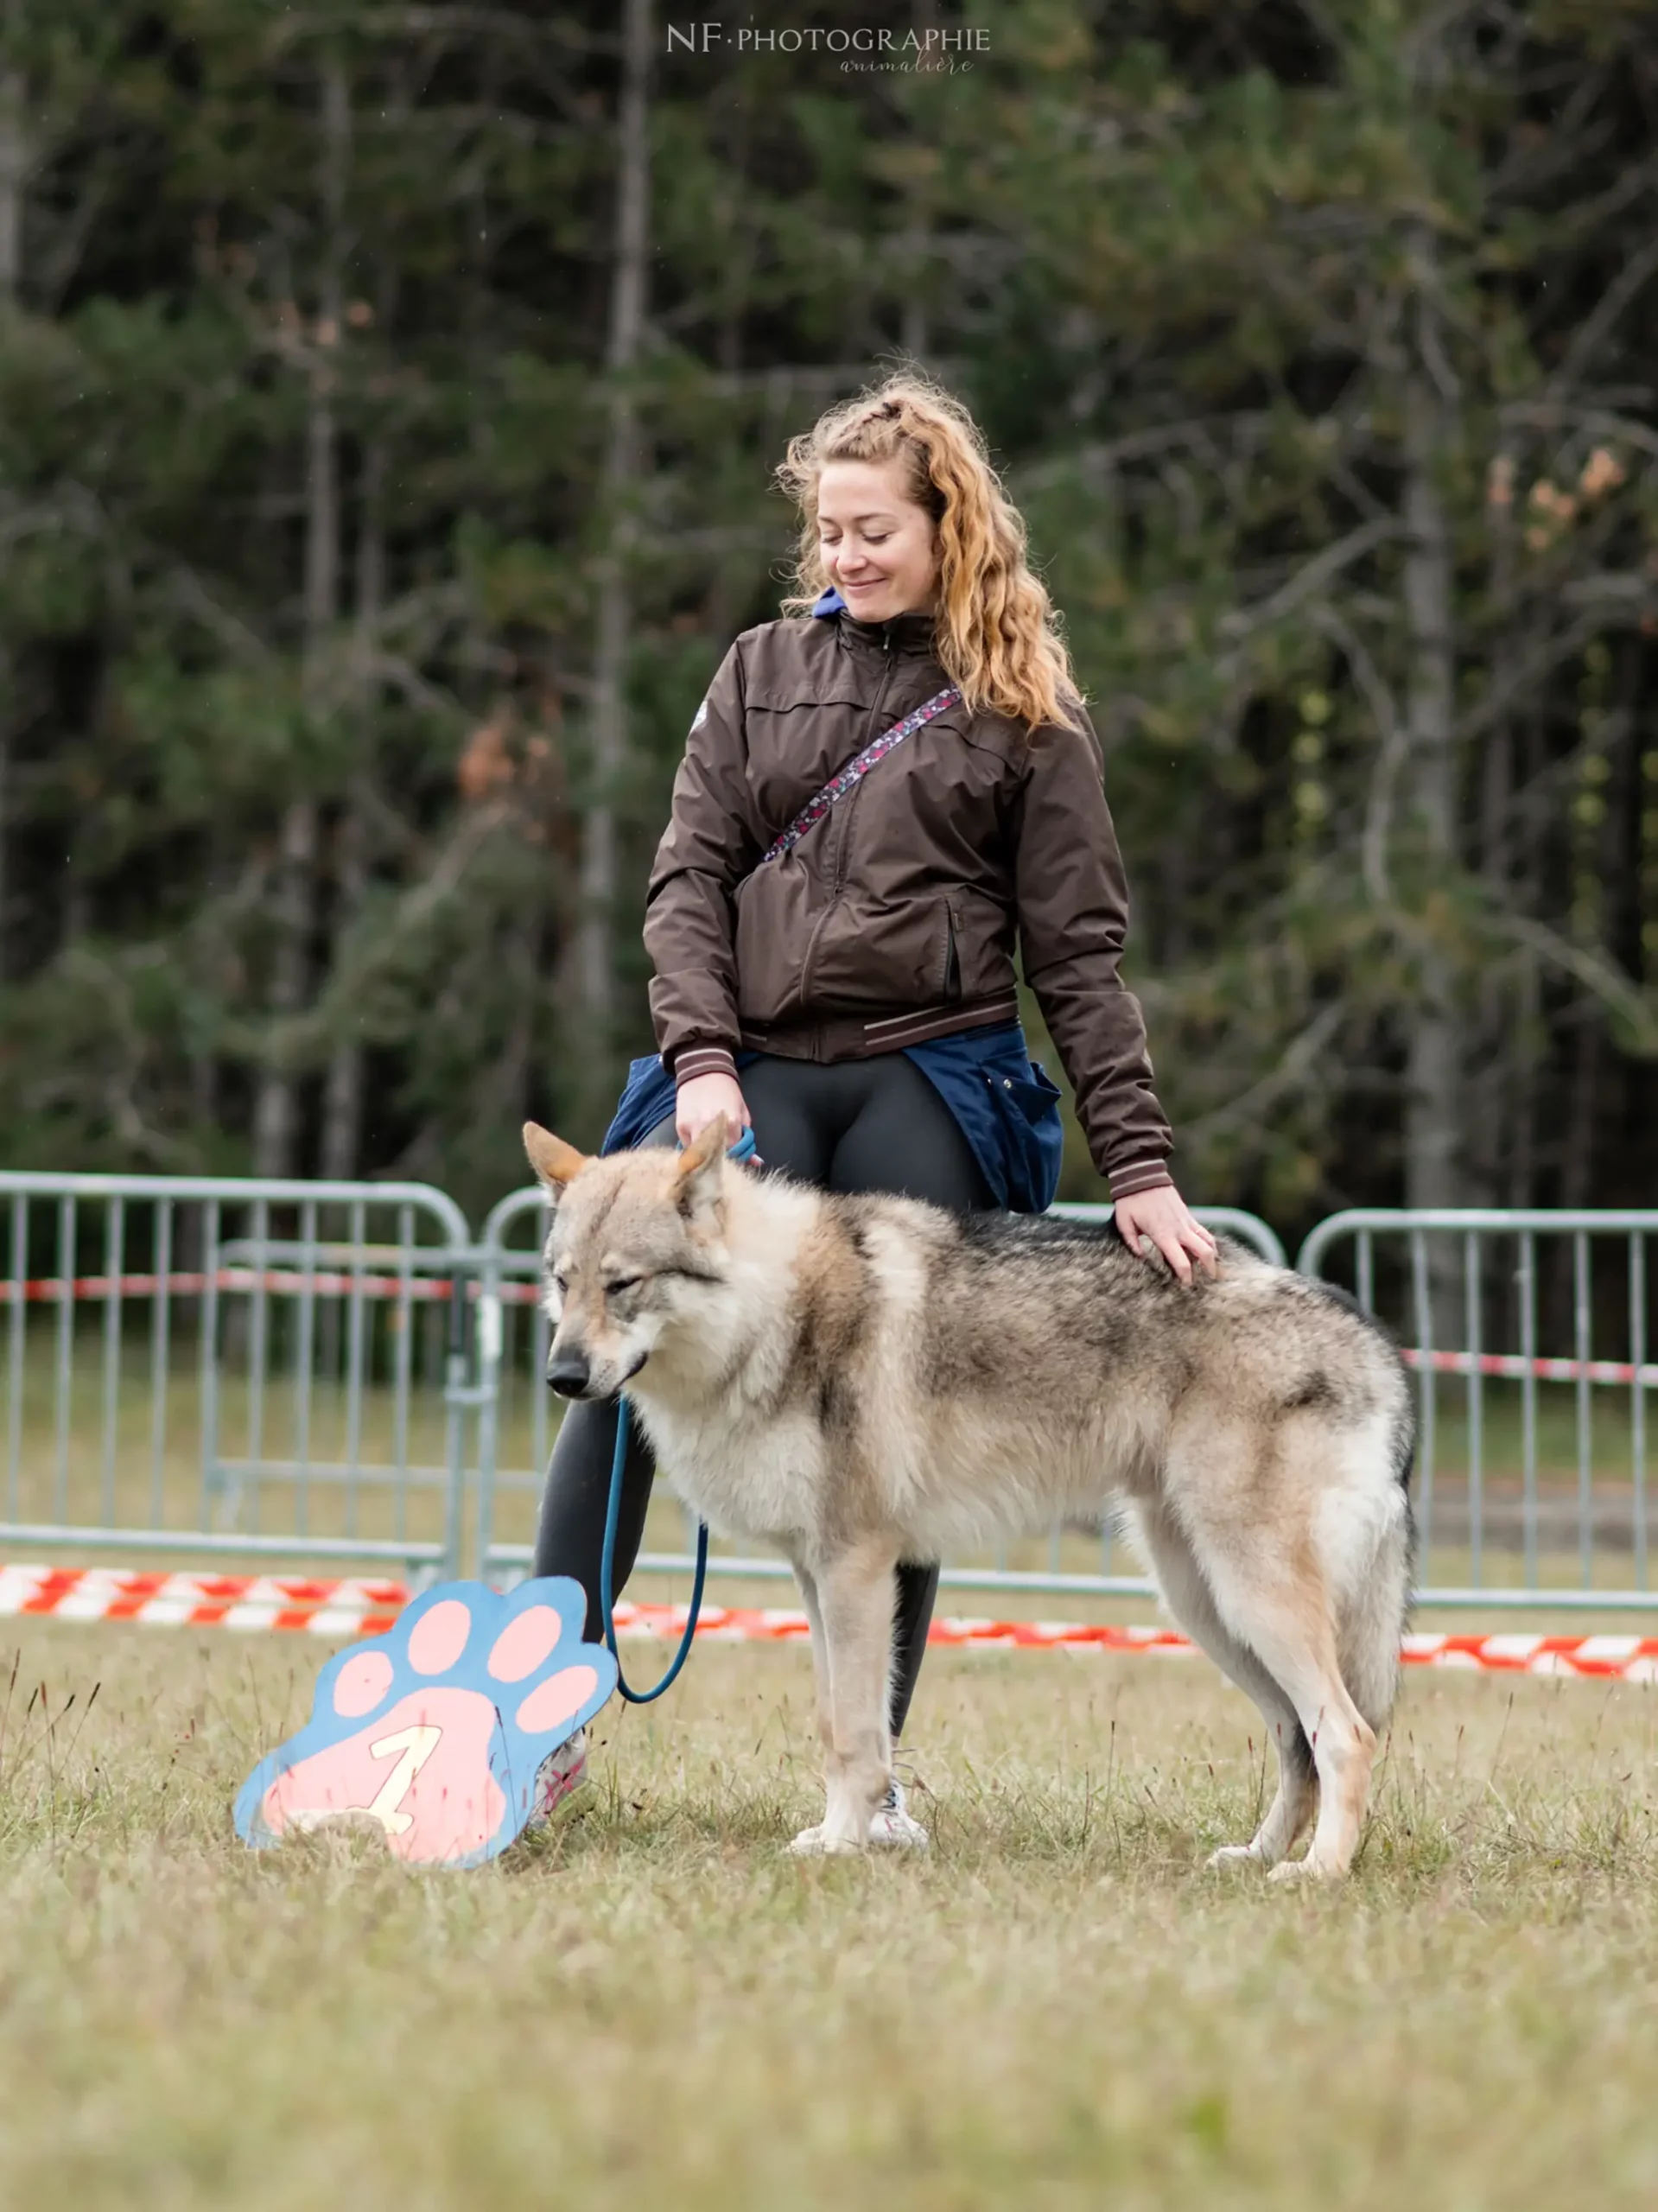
1279	1608
820	1655
1192	1603
854	1618
810	1841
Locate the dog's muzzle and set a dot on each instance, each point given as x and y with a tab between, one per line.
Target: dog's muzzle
569	1374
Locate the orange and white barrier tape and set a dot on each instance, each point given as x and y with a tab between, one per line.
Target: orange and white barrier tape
1507	1366
351	1608
359	1607
1629	1658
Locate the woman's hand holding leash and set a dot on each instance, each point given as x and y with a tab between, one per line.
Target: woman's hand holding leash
697	1101
1157	1221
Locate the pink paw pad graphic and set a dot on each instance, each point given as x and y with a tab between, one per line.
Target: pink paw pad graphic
432	1734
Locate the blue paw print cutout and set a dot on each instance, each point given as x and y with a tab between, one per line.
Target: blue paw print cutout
435	1731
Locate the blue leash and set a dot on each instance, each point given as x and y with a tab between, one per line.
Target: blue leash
743	1149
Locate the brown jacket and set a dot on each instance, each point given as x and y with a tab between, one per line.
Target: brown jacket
893	919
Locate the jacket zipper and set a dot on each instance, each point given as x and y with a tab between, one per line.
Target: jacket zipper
843	856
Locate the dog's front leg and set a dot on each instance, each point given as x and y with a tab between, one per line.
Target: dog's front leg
851	1612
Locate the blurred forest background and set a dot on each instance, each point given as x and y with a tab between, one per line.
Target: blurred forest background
388	398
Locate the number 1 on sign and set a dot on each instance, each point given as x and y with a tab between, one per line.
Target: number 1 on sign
415	1746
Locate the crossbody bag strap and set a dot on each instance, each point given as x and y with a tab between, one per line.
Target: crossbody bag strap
854	771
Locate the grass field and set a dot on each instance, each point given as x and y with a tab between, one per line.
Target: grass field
655	2005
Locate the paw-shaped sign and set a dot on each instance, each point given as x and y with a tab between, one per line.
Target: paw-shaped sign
435	1731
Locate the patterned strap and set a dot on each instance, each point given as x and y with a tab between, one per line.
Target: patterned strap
854	771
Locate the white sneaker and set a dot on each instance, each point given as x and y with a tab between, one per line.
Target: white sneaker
889	1824
559	1773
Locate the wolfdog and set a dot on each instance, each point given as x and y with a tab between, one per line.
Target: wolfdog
862	1381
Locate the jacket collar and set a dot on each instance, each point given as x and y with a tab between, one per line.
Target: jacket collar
906	635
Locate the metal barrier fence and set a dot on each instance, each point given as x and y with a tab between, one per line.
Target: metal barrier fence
1531	1479
236	1368
300	1395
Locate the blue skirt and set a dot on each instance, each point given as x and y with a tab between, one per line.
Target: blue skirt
1004	1102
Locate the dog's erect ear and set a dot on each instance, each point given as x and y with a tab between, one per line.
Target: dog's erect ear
699	1166
554	1161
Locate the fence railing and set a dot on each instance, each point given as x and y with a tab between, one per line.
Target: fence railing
1531	1477
313	1371
226	1366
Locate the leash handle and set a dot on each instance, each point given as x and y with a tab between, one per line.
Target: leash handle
743	1149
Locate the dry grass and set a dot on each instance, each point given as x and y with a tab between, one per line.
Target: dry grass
1057	2008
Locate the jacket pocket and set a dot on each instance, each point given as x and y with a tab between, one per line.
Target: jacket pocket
775	910
951	989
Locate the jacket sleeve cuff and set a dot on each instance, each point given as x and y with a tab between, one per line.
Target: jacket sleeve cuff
1142	1175
702	1059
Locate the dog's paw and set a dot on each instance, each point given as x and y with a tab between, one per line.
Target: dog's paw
1232	1854
818	1843
1309	1869
433	1733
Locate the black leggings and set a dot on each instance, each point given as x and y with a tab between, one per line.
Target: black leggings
860	1125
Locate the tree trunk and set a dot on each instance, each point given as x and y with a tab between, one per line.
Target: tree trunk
1528	995
1432	1156
342	1090
1490	1086
1610	742
1494	1091
204	1096
15	161
275	1109
1578	1154
14	169
5	766
914	330
595	951
276	1115
342	1100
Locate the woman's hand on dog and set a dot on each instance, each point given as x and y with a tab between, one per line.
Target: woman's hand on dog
697	1103
1161	1216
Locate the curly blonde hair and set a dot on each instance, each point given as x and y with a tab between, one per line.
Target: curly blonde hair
997	634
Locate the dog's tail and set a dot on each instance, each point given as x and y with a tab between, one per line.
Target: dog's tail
1373	1608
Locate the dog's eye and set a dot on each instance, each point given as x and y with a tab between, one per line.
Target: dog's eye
621	1283
560	1284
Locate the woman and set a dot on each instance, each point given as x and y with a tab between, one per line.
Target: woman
852	998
